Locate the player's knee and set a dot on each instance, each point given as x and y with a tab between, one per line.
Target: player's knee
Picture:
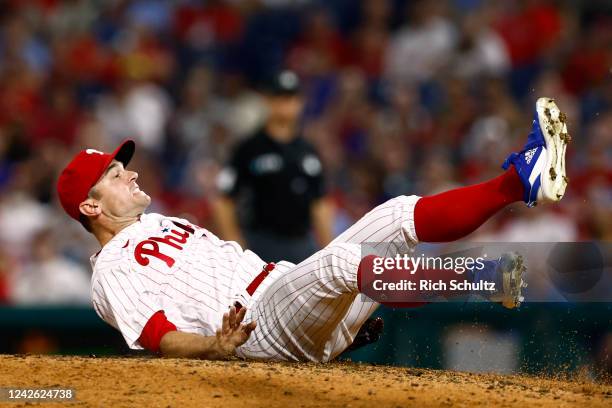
344	253
341	261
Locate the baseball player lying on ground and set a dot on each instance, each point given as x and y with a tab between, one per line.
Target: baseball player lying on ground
172	287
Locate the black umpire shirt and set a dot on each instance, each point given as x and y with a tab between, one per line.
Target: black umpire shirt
274	184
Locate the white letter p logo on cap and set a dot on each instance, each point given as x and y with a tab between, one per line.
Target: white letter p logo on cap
93	151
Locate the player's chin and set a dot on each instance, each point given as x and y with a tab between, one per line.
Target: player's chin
146	200
142	200
140	195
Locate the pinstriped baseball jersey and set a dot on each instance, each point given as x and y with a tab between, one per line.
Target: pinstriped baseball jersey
166	263
308	312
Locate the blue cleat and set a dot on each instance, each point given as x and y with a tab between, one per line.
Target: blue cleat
541	163
507	274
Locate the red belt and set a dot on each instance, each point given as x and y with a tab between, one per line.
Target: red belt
269	267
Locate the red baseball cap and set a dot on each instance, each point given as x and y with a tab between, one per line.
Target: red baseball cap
84	171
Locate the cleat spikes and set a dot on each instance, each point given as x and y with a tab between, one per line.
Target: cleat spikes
543	178
565	137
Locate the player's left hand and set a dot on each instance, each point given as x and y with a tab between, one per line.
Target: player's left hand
233	332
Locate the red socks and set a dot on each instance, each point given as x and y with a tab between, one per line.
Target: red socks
454	214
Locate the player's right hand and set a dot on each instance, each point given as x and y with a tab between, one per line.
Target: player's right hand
233	332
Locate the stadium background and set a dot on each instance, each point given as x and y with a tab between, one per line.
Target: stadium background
402	96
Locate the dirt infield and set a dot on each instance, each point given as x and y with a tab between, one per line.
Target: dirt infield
122	382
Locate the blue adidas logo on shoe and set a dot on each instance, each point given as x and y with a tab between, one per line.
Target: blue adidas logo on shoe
541	163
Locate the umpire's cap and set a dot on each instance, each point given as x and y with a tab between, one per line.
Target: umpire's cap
283	83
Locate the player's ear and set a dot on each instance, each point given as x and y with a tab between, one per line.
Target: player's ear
90	207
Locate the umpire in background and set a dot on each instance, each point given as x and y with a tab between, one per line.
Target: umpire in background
272	188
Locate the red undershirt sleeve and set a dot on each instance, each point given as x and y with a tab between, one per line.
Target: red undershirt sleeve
154	330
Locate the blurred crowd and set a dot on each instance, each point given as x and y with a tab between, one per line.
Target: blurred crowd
402	97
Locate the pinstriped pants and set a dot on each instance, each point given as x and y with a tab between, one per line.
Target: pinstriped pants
311	311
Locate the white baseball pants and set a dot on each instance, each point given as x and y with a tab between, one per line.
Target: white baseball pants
312	311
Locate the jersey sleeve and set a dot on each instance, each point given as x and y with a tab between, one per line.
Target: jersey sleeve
157	326
125	303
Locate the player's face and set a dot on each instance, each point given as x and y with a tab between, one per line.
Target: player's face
118	194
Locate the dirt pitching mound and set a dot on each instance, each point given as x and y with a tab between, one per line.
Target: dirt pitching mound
152	382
